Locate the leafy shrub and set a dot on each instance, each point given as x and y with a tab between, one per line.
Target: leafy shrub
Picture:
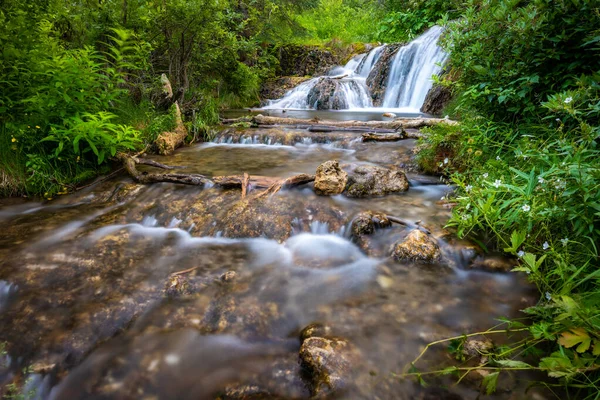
539	48
533	190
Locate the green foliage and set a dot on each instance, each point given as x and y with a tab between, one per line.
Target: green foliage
348	21
404	20
524	161
539	48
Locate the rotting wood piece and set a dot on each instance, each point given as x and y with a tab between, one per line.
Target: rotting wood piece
273	184
385	137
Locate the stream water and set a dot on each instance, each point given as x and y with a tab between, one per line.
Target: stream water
89	305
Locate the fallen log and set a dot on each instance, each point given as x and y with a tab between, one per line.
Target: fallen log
292	181
272	184
237	181
144	177
245	183
395	124
357	129
386	137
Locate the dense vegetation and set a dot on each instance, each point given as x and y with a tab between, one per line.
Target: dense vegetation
79	80
525	160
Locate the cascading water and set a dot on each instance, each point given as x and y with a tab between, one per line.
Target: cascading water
411	71
347	87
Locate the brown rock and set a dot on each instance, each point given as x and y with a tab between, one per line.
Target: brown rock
314	330
329	363
493	264
330	179
417	246
366	222
370	180
436	100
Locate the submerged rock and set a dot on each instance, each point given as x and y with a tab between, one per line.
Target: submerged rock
329	363
314	330
493	264
370	180
366	222
330	179
417	246
177	286
331	94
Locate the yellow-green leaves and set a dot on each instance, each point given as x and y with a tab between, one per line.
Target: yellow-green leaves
576	336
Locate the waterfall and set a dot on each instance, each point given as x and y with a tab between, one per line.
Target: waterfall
410	74
347	87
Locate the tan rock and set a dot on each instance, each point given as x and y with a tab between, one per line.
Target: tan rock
330	362
417	246
330	179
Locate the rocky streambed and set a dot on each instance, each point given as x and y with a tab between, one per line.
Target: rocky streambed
325	290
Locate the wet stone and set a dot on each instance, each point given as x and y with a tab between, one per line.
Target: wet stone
177	286
329	363
330	179
371	181
315	330
493	264
366	222
417	246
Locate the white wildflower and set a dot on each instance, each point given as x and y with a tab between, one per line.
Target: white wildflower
548	296
497	183
541	180
521	253
446	160
568	100
465	217
468	188
545	246
564	241
498	158
485	175
526	208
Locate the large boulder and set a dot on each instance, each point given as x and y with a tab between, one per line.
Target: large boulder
417	246
329	363
378	78
330	179
436	100
330	93
371	180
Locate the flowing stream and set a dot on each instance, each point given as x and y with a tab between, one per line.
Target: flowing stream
89	304
405	83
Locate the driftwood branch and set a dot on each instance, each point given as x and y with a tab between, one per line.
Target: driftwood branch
245	182
408	223
272	184
152	163
143	177
292	181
